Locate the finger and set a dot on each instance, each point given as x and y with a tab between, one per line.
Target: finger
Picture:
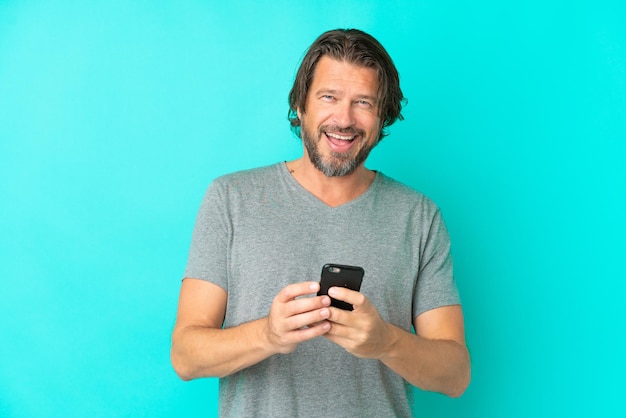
299	306
344	323
307	319
339	335
311	331
356	299
295	290
286	340
346	336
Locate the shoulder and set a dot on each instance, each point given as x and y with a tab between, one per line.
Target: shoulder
396	193
254	175
245	181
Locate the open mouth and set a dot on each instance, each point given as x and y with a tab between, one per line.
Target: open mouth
340	137
340	142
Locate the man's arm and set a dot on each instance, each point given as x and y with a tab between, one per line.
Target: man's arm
201	348
434	359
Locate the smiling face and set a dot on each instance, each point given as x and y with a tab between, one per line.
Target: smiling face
341	124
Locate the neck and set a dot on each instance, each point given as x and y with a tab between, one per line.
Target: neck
333	191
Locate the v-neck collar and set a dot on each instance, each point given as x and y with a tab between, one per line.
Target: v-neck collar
286	175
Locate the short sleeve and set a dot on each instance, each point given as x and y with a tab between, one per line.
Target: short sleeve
208	252
436	286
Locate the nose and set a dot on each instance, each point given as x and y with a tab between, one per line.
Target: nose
344	115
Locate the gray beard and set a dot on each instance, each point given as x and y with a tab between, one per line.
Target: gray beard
336	164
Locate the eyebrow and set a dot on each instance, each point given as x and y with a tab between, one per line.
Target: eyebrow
373	99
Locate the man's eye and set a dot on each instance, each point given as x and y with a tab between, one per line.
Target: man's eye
327	97
364	103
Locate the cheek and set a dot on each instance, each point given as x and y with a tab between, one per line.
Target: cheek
374	126
377	122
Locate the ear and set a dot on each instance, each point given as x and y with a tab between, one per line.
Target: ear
299	114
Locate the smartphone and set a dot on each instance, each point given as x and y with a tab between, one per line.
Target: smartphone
342	276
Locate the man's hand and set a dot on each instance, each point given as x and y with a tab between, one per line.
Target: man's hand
202	348
435	359
361	332
294	319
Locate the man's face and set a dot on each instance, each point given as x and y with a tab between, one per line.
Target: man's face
341	124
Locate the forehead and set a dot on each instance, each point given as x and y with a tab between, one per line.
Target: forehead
342	75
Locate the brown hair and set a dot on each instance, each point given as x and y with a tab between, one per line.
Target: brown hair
355	47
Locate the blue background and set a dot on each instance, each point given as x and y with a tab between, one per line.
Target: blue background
115	116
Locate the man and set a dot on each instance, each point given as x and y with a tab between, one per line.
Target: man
248	309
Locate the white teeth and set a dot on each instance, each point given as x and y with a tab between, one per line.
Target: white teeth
340	137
